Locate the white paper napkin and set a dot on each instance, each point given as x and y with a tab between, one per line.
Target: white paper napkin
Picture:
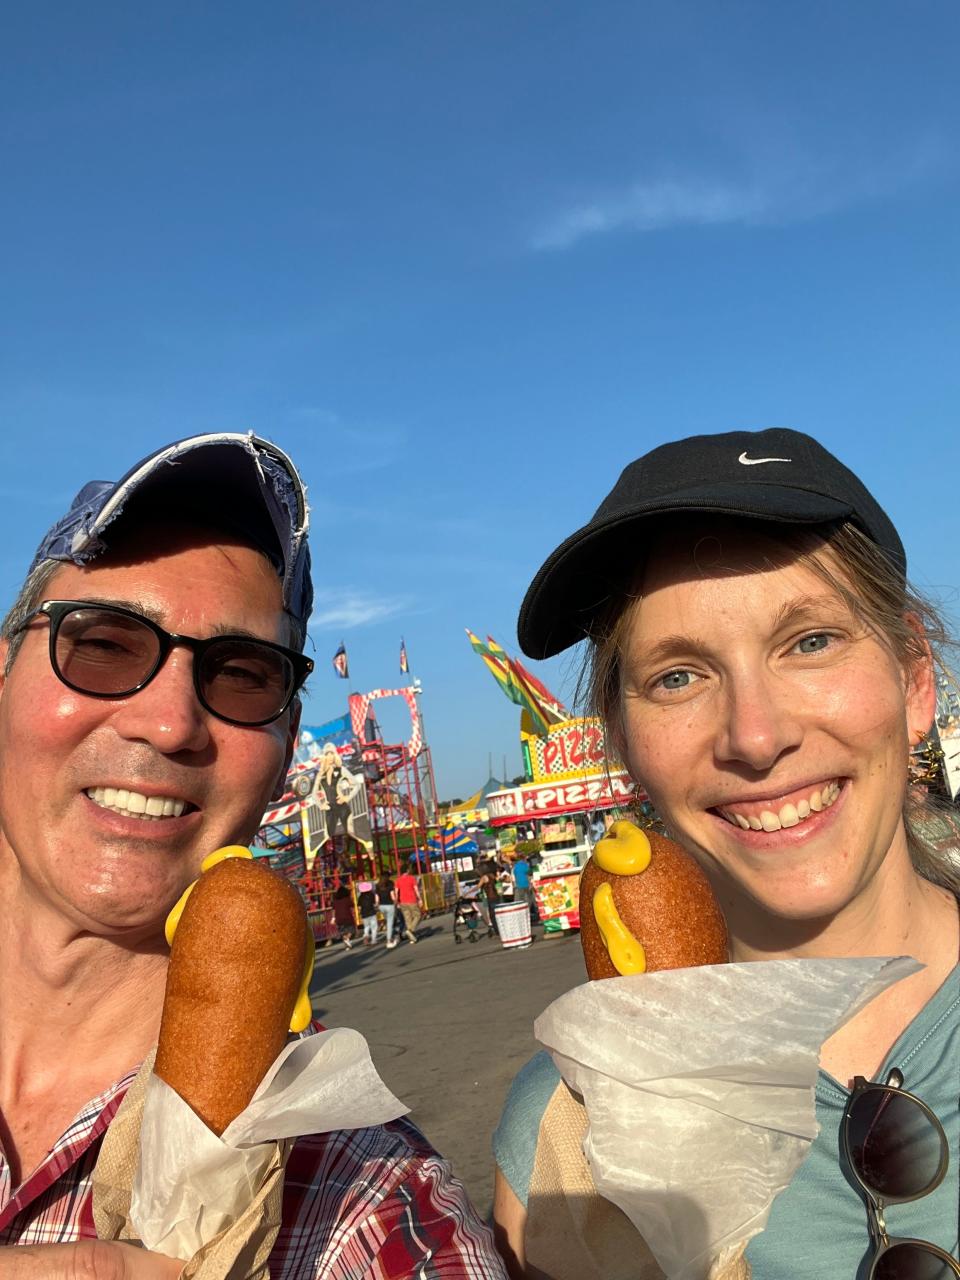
190	1184
698	1087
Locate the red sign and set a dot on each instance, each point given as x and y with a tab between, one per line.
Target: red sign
541	801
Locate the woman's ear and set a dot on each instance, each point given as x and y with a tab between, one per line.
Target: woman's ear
921	683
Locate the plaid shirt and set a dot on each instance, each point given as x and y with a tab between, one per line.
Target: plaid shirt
359	1204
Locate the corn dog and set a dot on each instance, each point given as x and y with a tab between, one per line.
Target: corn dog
646	905
241	959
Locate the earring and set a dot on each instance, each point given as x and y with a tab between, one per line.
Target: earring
924	761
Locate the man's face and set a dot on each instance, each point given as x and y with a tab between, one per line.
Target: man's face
112	872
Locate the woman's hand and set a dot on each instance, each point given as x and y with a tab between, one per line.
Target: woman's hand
86	1260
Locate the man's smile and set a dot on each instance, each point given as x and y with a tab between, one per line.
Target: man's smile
134	804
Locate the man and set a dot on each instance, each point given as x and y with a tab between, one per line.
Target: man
521	881
148	712
410	902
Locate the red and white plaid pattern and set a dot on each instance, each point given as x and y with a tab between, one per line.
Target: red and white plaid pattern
359	1204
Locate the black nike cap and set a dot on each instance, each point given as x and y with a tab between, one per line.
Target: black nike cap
778	475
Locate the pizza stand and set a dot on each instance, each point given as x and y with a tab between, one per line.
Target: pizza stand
571	783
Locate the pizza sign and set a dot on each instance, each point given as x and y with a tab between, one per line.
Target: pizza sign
600	792
572	749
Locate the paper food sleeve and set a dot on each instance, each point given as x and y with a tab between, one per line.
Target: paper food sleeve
698	1087
167	1181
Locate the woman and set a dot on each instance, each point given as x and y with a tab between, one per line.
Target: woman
343	916
367	904
387	895
763	671
488	895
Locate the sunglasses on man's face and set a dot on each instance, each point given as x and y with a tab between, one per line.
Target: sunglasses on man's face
898	1152
108	652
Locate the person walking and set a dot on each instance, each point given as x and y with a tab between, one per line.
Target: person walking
522	891
387	895
367	903
410	902
489	894
343	916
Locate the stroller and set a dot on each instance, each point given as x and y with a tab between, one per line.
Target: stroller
466	916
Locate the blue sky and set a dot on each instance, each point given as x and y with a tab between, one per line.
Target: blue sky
464	261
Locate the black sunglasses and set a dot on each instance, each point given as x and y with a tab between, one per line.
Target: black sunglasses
109	652
898	1152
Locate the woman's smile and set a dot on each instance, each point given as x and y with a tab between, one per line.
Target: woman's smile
771	825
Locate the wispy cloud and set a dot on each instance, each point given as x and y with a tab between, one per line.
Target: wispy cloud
343	610
783	193
652	206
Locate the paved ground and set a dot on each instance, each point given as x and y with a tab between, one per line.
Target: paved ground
448	1026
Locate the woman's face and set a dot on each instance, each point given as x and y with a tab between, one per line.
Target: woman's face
769	727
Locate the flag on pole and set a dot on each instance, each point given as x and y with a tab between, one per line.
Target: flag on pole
340	662
528	696
477	644
404	664
535	693
496	668
549	700
500	667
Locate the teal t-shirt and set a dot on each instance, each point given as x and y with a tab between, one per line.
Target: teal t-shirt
818	1225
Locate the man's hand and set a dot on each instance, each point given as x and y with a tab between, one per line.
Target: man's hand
86	1260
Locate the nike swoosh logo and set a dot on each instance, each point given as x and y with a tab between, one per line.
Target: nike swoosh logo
755	462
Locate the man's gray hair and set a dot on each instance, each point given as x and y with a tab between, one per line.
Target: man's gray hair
30	596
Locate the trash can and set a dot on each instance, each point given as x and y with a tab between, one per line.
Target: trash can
513	924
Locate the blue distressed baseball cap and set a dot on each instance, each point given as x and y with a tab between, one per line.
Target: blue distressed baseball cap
235	481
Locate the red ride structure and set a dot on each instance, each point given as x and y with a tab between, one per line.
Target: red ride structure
393	805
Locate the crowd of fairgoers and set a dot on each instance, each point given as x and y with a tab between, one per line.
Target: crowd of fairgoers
392	907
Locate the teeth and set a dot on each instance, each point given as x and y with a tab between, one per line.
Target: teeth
790	815
134	804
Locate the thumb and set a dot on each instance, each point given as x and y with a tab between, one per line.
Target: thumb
142	1264
86	1260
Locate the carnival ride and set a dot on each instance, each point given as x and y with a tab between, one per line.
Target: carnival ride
355	807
